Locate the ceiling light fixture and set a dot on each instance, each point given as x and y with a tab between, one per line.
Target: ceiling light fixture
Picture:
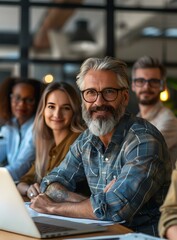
82	40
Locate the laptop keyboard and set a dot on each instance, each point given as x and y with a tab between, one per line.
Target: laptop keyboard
48	228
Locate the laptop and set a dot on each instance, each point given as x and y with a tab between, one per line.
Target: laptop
14	216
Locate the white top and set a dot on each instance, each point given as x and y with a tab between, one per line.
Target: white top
166	122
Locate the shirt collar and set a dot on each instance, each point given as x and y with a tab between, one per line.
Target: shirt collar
24	125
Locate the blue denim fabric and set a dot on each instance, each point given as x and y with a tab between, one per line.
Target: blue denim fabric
17	147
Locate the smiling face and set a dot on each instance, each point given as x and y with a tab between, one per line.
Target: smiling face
58	112
146	94
22	102
101	116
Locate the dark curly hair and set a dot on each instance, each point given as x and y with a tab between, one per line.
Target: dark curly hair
6	89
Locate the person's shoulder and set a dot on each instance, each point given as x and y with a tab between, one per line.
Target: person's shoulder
165	111
84	135
73	136
83	138
140	125
10	125
4	130
135	121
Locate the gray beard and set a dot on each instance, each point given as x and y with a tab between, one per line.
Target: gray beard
102	126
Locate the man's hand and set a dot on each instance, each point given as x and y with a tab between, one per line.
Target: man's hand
59	201
42	203
33	190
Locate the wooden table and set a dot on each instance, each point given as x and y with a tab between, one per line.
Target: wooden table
112	230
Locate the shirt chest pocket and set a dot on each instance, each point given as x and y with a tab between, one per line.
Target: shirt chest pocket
92	172
91	162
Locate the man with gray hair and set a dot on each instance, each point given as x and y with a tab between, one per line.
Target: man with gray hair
123	158
148	81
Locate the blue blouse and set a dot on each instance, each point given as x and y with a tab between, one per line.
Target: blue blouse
17	148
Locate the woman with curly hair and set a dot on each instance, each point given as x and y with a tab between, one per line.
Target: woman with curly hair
19	98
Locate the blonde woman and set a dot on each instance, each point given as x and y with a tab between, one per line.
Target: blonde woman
57	124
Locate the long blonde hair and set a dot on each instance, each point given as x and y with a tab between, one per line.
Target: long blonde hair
43	135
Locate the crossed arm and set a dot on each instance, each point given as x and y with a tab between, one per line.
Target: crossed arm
58	200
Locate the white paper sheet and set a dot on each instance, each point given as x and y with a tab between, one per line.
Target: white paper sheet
80	220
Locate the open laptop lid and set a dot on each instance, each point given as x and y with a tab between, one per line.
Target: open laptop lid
14	216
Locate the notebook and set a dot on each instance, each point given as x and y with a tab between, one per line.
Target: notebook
14	216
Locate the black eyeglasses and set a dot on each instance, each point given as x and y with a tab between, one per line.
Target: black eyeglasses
108	94
153	82
17	99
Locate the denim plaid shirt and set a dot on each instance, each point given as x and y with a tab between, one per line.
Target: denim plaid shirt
137	155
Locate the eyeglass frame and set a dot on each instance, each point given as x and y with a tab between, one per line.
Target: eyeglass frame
101	92
149	82
18	99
